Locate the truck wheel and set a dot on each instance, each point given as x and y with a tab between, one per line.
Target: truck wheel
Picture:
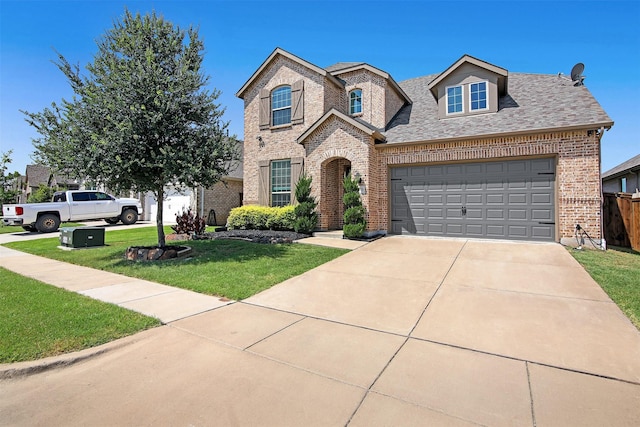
129	216
47	223
112	220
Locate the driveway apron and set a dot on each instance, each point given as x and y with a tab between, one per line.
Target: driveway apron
402	331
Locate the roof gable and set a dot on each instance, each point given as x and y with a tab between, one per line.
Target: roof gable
358	124
281	52
347	67
500	72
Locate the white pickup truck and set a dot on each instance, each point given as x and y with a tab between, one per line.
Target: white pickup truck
74	205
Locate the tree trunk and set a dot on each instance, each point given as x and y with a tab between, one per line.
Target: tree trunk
159	224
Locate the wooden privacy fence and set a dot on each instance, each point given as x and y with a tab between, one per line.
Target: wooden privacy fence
621	216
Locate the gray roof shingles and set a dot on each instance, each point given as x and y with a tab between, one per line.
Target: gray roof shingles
631	164
534	102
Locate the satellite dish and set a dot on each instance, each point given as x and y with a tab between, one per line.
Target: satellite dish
576	74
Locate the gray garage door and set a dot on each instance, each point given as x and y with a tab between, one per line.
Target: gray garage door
502	200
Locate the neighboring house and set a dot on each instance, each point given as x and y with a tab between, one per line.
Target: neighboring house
223	196
220	198
624	178
37	175
473	151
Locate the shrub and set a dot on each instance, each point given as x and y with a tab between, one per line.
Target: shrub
281	218
254	217
188	223
353	231
42	194
306	217
354	213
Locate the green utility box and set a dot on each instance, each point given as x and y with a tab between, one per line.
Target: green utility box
81	237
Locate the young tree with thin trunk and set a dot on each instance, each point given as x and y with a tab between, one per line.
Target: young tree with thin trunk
141	117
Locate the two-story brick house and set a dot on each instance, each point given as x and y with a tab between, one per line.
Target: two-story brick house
474	151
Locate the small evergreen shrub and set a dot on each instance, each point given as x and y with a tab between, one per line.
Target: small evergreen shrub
306	217
353	231
354	213
188	223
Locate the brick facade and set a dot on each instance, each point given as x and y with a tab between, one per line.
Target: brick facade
222	197
577	170
342	144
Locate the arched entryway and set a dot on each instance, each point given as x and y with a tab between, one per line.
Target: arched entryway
331	206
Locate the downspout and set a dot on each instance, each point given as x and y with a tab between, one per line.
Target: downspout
603	242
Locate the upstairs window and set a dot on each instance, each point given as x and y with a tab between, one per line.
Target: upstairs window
478	93
280	182
355	102
623	185
281	106
454	99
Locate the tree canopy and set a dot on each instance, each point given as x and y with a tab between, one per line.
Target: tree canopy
9	189
141	117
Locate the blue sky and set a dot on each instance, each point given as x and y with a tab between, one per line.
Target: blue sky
405	38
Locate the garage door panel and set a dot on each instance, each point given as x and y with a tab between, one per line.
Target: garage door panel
517	198
517	231
542	232
504	199
517	184
475	230
518	214
496	185
541	198
475	213
495	214
454	199
435	213
474	199
495	231
495	198
542	215
454	229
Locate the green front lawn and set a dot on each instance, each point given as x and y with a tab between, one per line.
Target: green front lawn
617	271
227	268
40	320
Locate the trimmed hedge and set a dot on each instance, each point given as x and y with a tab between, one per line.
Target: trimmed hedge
254	217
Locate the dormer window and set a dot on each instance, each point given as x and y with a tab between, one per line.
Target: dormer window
355	102
454	99
478	96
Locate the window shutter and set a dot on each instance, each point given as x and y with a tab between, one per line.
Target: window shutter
297	166
297	102
265	108
264	187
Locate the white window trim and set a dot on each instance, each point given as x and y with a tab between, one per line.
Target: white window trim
290	106
446	99
486	92
361	102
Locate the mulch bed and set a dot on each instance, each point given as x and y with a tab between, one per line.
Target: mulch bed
256	236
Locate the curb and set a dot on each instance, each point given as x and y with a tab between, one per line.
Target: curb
31	367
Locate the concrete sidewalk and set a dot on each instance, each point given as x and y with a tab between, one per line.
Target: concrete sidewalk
402	331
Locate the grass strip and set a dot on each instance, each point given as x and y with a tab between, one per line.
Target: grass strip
40	320
617	271
226	268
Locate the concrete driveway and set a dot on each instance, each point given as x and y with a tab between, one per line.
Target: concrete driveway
403	331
